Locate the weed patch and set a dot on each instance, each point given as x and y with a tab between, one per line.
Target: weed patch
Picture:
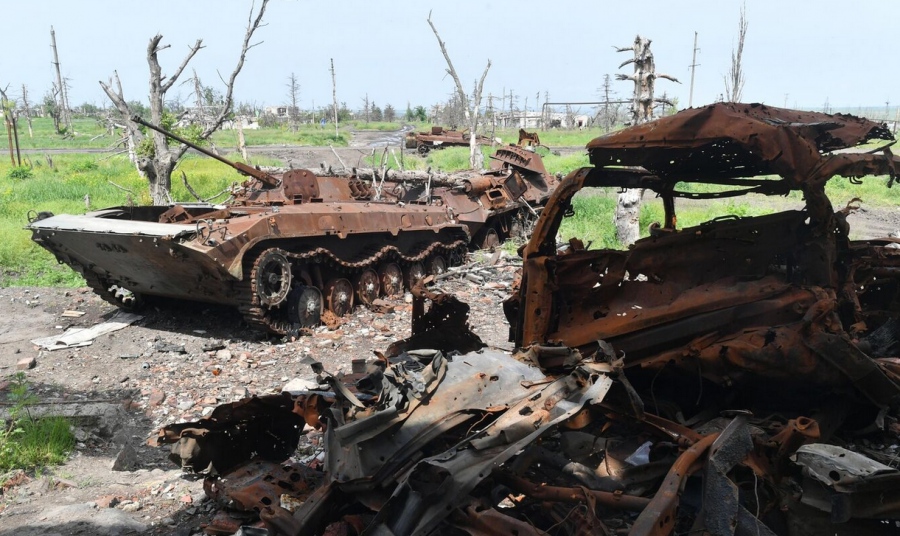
29	443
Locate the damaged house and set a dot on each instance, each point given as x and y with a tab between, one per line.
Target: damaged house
738	377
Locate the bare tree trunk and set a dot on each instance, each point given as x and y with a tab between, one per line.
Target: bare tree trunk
242	144
476	158
734	81
293	90
334	99
63	102
628	204
27	110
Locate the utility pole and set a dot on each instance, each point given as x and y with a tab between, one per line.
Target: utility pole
334	98
63	101
694	66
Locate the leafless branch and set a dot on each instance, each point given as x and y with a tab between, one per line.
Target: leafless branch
194	49
189	188
252	25
124	189
734	81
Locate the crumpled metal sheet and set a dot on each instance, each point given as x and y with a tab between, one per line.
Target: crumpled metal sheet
745	140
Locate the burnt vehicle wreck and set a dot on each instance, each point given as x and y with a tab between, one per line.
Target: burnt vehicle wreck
439	137
738	377
291	247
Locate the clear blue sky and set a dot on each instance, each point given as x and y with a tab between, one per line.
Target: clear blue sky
809	51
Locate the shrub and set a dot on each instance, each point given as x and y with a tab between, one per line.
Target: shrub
19	172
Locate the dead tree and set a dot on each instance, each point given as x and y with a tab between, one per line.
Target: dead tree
470	107
734	82
157	160
27	109
334	99
628	205
63	100
293	96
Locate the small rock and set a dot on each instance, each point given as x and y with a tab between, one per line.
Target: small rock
212	346
26	363
186	499
223	355
185	405
126	460
168	521
157	397
163	346
132	507
300	384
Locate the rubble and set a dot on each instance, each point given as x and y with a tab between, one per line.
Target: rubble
739	377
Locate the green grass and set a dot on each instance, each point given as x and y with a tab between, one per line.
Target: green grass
86	133
31	443
381	126
595	210
61	190
555	137
282	135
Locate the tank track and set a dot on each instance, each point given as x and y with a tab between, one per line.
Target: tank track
262	318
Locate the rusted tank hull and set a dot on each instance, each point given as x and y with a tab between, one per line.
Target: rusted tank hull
323	247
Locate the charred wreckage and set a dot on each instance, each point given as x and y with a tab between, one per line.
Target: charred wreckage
738	377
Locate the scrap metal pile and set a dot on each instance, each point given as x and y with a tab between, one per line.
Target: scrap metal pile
739	377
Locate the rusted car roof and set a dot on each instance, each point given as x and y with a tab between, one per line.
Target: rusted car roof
729	140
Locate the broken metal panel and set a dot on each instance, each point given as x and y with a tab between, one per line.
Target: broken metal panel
727	140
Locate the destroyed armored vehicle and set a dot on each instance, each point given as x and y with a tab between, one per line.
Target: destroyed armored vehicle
738	377
292	246
439	137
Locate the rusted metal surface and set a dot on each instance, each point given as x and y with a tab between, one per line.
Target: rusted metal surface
738	377
289	248
439	137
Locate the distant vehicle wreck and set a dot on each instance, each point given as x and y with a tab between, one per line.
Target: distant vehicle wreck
738	377
439	137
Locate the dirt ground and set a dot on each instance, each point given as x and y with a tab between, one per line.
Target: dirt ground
177	363
174	364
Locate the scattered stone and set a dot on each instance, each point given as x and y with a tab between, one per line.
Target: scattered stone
163	346
157	397
132	506
26	363
127	459
300	384
212	346
223	355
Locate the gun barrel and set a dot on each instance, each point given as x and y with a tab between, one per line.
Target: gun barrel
243	169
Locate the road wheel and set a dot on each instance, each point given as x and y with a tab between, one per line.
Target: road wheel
436	265
391	278
491	240
415	272
306	306
367	287
273	278
339	296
